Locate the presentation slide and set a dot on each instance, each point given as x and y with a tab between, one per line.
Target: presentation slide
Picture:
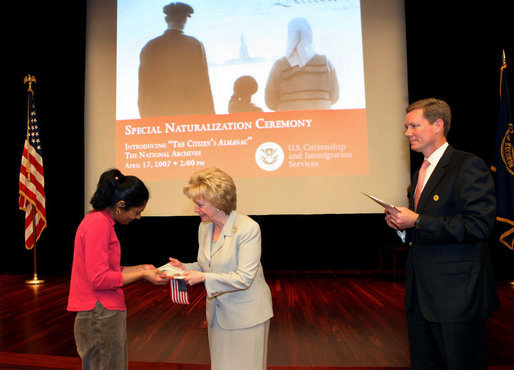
252	39
286	96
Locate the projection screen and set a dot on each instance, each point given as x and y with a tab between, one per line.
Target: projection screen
317	118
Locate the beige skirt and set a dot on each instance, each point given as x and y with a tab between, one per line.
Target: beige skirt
238	349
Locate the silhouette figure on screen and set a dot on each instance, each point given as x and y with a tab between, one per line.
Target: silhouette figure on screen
302	79
241	100
173	74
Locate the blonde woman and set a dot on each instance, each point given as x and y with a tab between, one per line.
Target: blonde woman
239	305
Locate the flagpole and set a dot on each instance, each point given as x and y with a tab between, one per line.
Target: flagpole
504	66
35	280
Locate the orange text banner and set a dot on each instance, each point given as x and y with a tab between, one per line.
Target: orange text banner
251	145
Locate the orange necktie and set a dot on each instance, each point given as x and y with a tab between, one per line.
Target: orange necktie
421	179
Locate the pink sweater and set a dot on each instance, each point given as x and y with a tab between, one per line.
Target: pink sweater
96	274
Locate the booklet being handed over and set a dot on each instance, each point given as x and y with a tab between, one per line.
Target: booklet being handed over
171	271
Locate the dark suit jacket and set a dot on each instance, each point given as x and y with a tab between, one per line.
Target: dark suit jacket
449	255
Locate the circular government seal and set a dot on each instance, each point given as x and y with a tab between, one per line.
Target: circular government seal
269	156
507	149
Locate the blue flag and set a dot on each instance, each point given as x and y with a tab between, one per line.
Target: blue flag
503	164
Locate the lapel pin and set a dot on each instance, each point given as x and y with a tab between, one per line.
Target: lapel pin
436	197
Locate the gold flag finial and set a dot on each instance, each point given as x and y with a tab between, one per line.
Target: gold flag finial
503	67
29	79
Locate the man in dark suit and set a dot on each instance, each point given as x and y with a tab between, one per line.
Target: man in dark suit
450	288
173	74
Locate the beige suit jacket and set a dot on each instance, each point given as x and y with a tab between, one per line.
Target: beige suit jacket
237	293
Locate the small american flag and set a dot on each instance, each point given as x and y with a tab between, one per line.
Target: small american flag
178	288
32	179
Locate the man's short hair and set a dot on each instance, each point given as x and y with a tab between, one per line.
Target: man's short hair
434	109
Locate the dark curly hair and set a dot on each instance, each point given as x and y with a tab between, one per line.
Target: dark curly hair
113	186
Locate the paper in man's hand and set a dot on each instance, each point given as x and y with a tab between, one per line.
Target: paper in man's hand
389	207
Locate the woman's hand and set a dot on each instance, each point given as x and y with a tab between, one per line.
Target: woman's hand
148	272
138	268
155	276
176	263
194	277
147	267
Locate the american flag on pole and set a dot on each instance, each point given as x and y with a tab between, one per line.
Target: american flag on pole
32	181
178	289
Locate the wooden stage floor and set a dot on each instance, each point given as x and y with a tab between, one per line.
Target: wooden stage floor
323	320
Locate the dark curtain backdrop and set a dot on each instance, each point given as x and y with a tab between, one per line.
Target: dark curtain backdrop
454	53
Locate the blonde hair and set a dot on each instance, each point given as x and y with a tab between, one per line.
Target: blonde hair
215	186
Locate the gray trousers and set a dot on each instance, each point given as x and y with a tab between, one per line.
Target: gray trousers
101	338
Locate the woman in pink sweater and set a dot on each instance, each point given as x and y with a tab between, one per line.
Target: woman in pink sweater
97	278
